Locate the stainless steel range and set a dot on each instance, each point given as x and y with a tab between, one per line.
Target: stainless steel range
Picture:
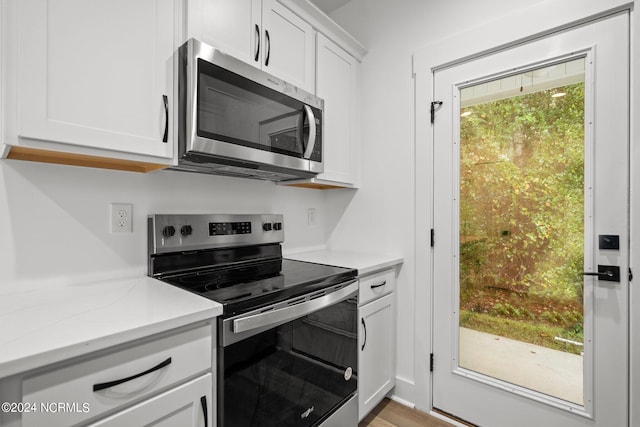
287	338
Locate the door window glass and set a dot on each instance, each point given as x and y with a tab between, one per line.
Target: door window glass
522	230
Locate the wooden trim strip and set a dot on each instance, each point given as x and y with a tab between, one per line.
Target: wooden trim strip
314	185
61	158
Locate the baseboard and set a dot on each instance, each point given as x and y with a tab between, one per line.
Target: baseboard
403	392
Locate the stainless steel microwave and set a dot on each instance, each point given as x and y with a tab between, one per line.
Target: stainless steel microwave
234	119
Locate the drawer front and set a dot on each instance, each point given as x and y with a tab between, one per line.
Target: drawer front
188	405
376	285
82	391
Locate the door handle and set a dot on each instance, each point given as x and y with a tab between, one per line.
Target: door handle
203	403
364	325
268	41
165	100
605	274
608	273
257	57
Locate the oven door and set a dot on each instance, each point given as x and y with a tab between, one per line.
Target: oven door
237	111
290	365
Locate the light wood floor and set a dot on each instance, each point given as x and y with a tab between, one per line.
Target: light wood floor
392	414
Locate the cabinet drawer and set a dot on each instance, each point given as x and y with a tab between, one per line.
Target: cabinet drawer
376	285
188	405
103	384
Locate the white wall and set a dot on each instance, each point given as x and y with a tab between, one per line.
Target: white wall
54	224
381	215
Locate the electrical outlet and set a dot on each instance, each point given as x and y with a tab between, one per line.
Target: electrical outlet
311	217
121	215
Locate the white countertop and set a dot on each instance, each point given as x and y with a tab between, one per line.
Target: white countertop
47	325
365	263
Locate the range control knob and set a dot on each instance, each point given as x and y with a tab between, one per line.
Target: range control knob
168	231
277	226
266	226
186	230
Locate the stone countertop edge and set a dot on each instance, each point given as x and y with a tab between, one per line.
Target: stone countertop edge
60	323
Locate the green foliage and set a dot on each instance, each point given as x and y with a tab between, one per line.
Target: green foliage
521	194
522	216
508	310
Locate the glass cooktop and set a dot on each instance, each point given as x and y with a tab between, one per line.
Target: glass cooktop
241	288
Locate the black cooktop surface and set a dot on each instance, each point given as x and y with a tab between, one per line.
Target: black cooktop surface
241	288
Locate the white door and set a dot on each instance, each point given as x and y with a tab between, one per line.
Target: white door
376	361
531	172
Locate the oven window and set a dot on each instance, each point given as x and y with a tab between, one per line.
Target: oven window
233	109
293	375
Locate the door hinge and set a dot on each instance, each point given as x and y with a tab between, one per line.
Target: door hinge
431	362
433	110
630	274
433	237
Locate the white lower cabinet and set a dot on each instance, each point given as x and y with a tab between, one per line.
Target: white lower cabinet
166	381
377	337
188	405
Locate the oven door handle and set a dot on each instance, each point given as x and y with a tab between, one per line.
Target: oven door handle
282	315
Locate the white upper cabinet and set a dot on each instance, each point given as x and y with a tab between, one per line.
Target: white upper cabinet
263	33
233	26
289	51
94	74
337	73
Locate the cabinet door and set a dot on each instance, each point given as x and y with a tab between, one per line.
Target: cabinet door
187	405
233	26
288	42
95	74
337	85
376	363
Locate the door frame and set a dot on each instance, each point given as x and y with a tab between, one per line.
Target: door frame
516	28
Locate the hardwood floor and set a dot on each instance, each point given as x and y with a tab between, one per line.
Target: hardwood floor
392	414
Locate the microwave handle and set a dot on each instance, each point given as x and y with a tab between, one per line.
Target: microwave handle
312	132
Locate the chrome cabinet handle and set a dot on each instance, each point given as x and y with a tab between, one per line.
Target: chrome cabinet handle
378	285
102	386
165	99
312	132
266	61
364	325
257	57
203	402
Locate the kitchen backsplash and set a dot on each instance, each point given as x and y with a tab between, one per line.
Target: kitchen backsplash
55	223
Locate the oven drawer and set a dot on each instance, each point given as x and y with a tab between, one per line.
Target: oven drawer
376	285
106	383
